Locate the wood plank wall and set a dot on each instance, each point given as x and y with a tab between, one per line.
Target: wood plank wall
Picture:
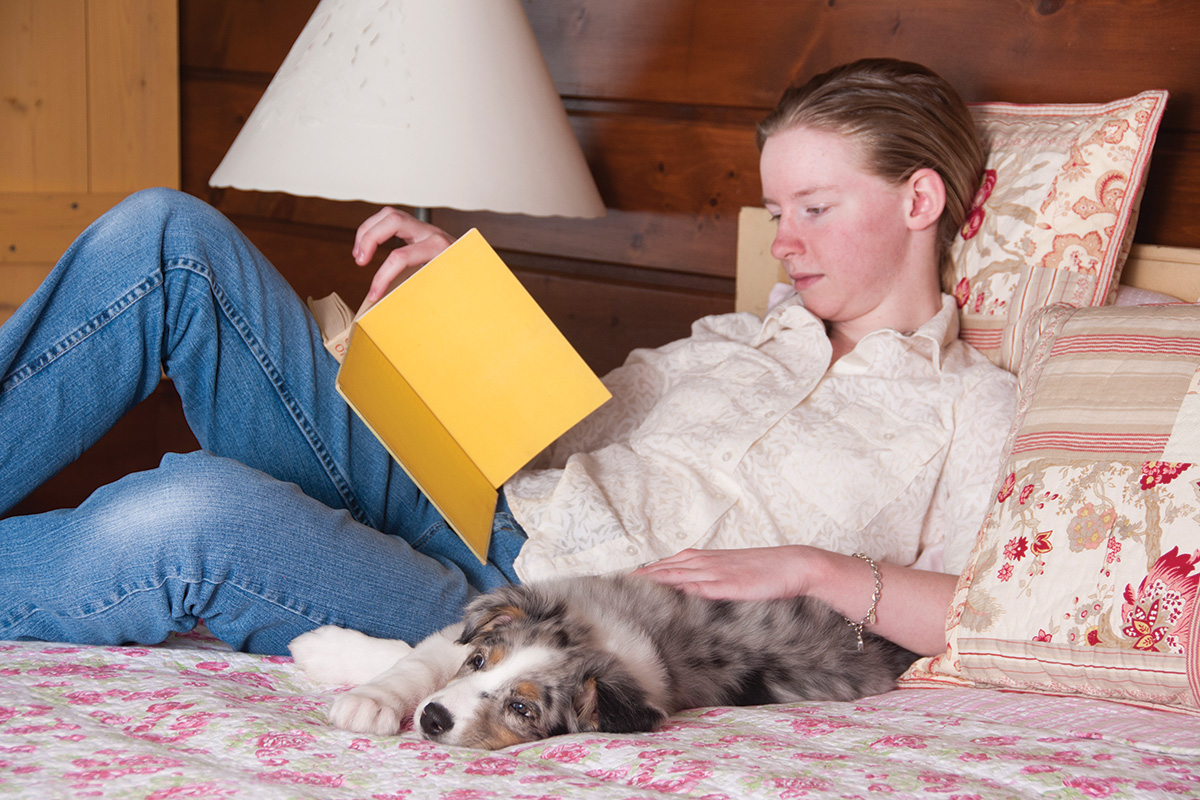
664	95
90	113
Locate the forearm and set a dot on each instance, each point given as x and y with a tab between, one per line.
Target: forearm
912	604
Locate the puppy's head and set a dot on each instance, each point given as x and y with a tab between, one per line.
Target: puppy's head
532	671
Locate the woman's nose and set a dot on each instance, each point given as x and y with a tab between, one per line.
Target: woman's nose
785	243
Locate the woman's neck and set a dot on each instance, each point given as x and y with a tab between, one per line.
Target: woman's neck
844	336
841	342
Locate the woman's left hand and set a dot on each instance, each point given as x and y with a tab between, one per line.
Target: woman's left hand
756	573
911	610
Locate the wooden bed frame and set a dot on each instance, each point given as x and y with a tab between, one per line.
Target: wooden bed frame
1170	270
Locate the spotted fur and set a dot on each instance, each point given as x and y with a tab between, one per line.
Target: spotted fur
615	654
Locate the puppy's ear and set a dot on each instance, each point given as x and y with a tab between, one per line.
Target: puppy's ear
506	605
477	624
613	702
491	611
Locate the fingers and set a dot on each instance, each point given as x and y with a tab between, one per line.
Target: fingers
382	226
686	570
744	574
375	230
401	259
390	222
364	244
422	242
690	582
680	558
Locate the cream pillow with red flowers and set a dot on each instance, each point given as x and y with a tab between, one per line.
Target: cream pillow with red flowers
1084	575
1054	217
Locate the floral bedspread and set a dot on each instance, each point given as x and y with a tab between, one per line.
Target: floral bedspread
192	720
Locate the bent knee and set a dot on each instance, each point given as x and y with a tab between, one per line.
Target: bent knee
134	233
191	505
157	202
218	487
160	214
204	517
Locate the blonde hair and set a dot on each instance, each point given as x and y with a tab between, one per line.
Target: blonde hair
903	117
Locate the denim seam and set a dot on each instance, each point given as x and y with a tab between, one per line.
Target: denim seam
17	616
501	521
433	529
252	342
80	334
29	610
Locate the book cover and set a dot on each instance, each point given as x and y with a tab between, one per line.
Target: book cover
464	379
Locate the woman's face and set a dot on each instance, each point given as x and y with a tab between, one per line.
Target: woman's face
844	234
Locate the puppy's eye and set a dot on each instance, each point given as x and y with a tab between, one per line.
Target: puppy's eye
522	708
477	661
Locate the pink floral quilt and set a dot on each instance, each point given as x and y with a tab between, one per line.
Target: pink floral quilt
192	720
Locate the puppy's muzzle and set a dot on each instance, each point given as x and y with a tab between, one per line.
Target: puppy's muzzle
436	720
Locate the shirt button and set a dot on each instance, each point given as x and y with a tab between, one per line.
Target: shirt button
631	550
726	456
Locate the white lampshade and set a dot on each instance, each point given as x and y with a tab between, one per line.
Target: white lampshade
429	103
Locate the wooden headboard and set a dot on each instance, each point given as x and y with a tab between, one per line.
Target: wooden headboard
1170	270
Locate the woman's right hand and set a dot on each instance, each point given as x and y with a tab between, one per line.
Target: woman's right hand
422	242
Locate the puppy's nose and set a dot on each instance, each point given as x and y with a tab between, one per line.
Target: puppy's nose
436	720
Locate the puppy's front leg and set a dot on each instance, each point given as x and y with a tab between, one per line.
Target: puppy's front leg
344	657
383	704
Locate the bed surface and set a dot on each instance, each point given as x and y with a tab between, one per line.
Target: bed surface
190	719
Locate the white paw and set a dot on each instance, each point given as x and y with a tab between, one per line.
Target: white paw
342	657
364	711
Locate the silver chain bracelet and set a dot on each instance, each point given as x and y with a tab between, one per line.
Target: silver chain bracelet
869	619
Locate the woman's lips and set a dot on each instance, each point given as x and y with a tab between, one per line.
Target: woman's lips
802	282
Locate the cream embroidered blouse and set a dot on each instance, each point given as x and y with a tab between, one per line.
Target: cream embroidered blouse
743	435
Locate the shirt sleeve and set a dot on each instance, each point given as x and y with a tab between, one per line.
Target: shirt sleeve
983	417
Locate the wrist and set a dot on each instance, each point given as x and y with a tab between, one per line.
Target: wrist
809	572
857	625
844	582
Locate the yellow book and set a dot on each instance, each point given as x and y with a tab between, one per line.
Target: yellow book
464	379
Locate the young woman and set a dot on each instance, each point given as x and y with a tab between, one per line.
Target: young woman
747	460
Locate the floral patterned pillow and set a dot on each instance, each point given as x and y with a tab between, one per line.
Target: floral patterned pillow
1084	576
1054	217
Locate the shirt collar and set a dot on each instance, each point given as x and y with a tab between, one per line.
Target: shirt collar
928	342
787	314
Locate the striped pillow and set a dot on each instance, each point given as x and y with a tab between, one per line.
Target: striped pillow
1084	576
1054	217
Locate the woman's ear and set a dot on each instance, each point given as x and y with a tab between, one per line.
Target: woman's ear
926	199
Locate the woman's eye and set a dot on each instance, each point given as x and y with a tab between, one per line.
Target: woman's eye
477	661
816	211
521	708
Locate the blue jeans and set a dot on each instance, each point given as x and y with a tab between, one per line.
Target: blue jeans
292	516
